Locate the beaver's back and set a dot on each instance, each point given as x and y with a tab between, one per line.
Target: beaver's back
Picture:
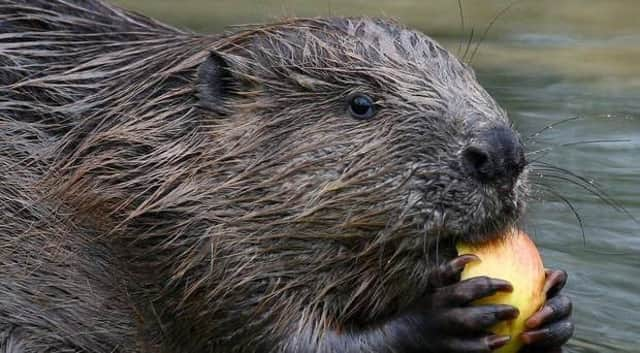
60	287
55	56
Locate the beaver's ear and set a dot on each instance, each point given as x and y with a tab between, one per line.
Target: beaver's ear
215	83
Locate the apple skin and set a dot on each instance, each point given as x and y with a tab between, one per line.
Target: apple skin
514	258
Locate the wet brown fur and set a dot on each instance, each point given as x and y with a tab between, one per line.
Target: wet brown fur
149	214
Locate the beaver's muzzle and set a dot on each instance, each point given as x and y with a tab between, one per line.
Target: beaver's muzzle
496	158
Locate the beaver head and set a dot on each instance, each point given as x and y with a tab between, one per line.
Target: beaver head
367	129
345	155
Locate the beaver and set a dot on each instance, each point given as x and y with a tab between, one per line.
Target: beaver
290	187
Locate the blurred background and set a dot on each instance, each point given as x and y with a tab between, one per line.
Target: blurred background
567	68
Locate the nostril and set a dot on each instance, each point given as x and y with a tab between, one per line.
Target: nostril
476	158
496	157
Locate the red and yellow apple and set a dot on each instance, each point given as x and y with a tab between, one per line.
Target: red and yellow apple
514	258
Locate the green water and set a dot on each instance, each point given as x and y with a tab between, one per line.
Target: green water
544	61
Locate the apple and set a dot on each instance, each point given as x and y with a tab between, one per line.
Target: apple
512	257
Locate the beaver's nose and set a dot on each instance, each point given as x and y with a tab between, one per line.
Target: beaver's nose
496	157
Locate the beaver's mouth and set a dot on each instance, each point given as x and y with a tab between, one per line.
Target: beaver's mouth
492	227
484	223
456	206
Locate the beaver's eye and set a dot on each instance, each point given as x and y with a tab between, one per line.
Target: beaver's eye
361	106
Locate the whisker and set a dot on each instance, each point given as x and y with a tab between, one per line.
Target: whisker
551	126
540	165
542	153
556	194
550	171
461	13
545	151
491	23
469	41
593	141
591	188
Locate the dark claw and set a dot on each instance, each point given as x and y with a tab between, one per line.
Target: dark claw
554	282
550	327
495	342
556	308
476	319
475	288
554	335
449	273
444	322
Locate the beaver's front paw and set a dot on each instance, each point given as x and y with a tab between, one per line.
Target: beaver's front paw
448	323
550	327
